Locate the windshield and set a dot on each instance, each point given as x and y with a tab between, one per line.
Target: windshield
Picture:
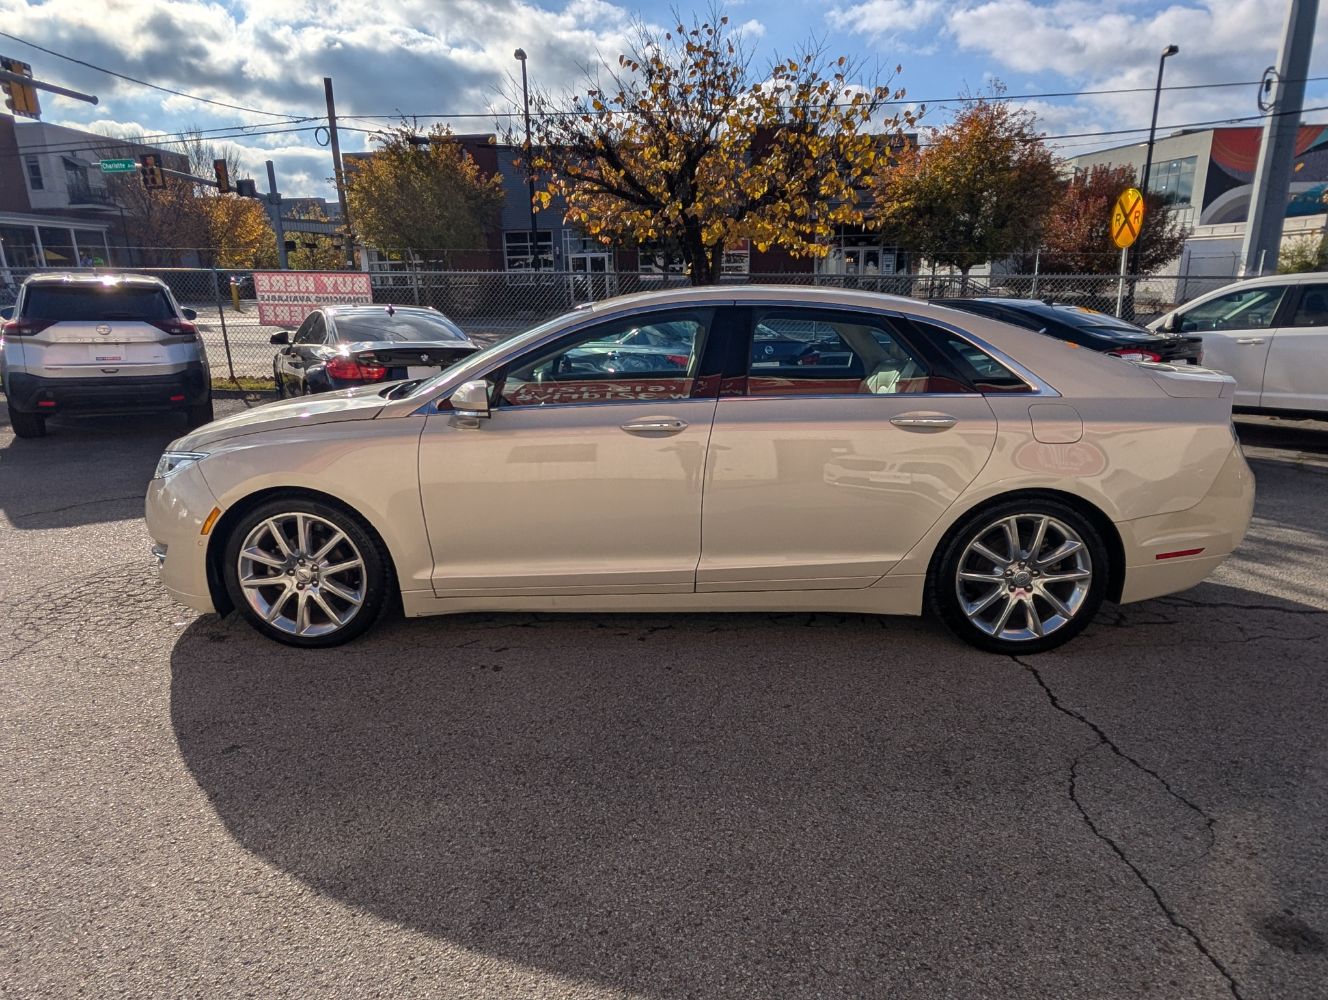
479	360
97	302
400	326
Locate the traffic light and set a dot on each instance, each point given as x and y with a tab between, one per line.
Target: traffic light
246	188
223	176
19	97
149	167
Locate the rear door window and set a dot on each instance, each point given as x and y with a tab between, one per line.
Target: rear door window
1312	309
95	303
970	362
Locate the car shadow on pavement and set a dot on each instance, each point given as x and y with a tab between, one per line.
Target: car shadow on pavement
722	806
87	470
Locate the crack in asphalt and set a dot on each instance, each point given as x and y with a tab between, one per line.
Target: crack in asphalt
1181	602
81	503
1103	740
1167	911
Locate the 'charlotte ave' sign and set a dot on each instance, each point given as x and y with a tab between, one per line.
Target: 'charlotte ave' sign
285	298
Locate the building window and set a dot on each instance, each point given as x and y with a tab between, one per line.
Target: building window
517	251
1173	180
737	259
34	173
859	255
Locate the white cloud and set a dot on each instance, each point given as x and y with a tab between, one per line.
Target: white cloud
887	18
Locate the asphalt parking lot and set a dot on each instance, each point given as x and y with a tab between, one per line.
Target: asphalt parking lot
598	806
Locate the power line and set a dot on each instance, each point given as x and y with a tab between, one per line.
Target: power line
144	83
183	137
112	142
901	102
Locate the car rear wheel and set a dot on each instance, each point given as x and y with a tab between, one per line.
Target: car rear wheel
1021	577
27	425
306	573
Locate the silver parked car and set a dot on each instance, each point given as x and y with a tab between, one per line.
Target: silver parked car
84	343
904	457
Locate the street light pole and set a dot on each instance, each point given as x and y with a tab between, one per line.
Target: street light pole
1169	51
520	56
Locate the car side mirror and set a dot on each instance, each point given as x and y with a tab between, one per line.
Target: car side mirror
1171	324
189	314
281	337
471	399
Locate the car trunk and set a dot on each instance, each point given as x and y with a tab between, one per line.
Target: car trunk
93	326
411	359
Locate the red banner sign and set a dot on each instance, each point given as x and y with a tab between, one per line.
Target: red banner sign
286	297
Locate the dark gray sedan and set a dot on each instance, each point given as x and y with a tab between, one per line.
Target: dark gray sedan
340	347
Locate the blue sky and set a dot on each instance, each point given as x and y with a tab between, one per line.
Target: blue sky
435	56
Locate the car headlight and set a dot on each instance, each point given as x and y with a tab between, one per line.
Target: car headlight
174	461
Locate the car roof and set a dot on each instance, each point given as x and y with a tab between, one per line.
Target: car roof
376	308
69	278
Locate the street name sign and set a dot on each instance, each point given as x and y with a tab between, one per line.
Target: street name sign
1127	218
119	166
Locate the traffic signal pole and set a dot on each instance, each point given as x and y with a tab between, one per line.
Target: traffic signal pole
278	227
1277	152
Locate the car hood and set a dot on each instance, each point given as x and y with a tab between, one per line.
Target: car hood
325	408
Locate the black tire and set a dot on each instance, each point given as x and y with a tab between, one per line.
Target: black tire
26	425
200	413
375	582
1022	583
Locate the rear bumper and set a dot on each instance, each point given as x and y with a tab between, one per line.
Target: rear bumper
1208	533
108	393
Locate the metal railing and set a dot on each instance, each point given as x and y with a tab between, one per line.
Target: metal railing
492	305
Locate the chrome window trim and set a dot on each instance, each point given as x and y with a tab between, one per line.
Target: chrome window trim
1039	387
1036	384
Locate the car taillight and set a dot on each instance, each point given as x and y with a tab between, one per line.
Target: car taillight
1134	354
810	359
678	359
350	370
175	327
25	327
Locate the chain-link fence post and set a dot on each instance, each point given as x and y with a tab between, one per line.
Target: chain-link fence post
221	314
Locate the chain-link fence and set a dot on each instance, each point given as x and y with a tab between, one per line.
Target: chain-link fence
491	305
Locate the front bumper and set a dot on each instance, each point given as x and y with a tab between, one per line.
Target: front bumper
1209	531
176	509
108	393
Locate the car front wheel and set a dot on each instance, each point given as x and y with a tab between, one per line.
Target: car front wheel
306	573
1021	577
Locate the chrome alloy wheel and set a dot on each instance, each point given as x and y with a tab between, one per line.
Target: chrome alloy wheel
1024	577
301	574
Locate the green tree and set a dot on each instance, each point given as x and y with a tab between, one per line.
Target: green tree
681	140
977	190
1306	253
422	198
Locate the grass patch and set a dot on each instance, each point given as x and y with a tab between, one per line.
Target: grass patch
245	383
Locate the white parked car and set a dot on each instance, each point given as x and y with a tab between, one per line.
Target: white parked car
1270	334
909	457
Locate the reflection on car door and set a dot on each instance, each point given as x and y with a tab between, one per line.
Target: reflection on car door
1237	330
1296	374
824	472
587	477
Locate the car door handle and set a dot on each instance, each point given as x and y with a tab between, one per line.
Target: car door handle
655	425
1249	340
924	421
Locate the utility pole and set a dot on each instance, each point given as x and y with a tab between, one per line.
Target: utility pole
274	200
1272	177
337	169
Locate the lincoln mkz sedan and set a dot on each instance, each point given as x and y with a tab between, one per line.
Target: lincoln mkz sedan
910	458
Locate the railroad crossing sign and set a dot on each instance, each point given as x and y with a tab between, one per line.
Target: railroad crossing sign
1127	218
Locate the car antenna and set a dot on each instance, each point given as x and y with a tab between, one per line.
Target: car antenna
391	311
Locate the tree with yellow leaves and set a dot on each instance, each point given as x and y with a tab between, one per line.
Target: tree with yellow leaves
421	194
684	142
239	232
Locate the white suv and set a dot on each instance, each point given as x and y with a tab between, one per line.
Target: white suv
98	344
1271	334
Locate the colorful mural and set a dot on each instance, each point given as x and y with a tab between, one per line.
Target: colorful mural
1235	155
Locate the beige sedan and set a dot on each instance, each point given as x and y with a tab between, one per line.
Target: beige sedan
862	453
